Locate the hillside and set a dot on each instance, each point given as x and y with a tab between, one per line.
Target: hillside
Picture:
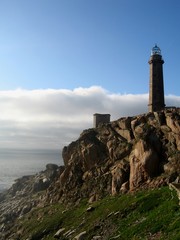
152	214
125	155
120	170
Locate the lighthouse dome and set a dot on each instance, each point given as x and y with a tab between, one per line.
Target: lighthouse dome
156	50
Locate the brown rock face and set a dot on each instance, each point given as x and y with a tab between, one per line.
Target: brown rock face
123	155
120	173
144	163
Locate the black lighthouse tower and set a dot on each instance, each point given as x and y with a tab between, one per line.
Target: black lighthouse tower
156	85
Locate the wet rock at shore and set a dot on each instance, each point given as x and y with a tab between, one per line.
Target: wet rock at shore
23	196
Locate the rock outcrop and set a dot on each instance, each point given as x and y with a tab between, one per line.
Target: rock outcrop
23	196
124	155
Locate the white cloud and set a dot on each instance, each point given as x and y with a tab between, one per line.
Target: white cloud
50	118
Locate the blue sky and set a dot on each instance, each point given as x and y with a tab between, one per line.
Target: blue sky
80	43
61	61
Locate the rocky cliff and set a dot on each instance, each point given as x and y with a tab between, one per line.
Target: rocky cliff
124	155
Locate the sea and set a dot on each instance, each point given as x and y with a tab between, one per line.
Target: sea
16	163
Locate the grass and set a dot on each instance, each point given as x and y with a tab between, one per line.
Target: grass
152	214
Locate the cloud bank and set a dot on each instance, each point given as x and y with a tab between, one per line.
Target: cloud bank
52	118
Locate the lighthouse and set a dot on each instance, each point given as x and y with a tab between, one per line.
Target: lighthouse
156	84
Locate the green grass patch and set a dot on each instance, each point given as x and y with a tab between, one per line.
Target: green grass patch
140	215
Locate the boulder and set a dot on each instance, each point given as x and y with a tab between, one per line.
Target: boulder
81	236
173	122
120	174
124	123
176	187
51	166
172	167
124	187
144	164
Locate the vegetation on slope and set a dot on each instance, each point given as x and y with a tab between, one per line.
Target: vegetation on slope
152	214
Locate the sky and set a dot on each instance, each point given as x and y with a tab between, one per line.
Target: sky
61	61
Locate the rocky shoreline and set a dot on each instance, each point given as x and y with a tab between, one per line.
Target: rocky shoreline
24	195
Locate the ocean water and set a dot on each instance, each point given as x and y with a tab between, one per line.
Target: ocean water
15	163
